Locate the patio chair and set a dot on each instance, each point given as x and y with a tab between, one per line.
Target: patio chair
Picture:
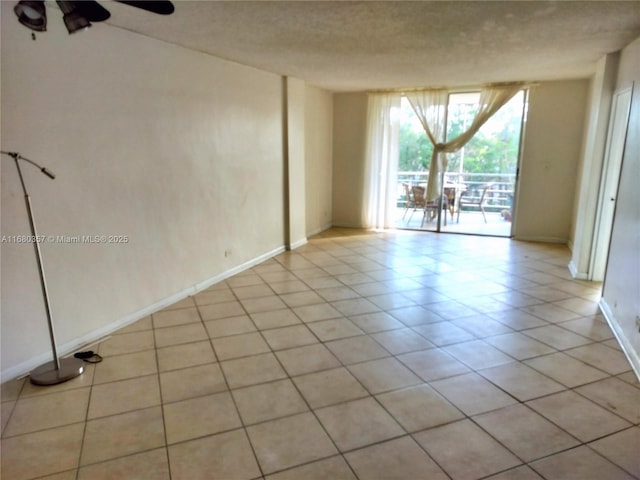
451	194
409	203
416	198
430	208
474	202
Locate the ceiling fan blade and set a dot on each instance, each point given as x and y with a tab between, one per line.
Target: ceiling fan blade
160	7
92	11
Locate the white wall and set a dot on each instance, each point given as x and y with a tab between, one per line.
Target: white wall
318	159
179	151
621	299
550	159
349	145
629	68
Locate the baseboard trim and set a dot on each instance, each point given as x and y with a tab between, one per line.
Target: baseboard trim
349	225
625	344
575	273
323	228
570	245
298	244
22	369
526	238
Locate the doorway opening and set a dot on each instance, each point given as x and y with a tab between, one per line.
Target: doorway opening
616	136
480	182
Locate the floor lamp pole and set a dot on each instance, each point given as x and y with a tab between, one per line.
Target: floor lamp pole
60	369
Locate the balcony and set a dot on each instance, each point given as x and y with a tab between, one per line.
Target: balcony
497	204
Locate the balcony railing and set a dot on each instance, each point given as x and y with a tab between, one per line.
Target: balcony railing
497	199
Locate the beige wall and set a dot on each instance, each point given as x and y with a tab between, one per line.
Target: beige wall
550	159
295	161
318	159
178	151
349	143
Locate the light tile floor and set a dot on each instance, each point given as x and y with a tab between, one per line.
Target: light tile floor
399	355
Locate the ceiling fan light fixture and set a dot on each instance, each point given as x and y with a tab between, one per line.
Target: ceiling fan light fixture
75	22
73	19
32	14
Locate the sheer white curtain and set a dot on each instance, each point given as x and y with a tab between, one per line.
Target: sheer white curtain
431	105
381	161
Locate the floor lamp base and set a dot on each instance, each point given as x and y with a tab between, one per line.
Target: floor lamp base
48	374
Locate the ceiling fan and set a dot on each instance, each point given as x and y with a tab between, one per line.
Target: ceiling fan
78	15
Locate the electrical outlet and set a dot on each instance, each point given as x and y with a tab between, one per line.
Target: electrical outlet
227	253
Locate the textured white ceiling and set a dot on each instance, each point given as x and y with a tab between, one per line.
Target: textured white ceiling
344	45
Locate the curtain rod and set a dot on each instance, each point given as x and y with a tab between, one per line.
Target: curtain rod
452	89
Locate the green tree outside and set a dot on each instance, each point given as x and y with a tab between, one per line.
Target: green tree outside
494	149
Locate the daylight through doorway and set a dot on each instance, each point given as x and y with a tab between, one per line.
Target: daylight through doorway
480	182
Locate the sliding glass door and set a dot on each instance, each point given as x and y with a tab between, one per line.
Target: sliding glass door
479	185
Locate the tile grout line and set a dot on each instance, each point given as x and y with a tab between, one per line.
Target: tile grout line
475	370
226	381
310	410
162	412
